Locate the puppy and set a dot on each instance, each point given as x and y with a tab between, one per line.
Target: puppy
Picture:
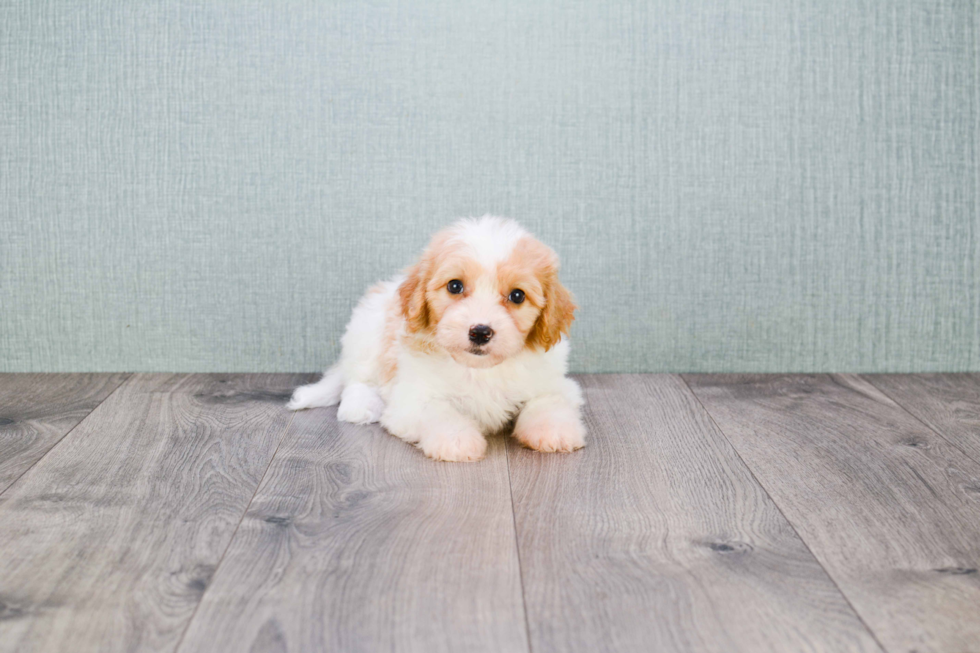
469	338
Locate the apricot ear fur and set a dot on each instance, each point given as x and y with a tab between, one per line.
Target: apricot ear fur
556	316
411	294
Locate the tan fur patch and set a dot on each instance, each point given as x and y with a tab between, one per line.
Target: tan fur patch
423	293
389	348
534	259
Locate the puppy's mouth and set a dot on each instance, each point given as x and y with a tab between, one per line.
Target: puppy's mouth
476	356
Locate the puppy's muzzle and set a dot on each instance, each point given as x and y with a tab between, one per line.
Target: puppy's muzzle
480	334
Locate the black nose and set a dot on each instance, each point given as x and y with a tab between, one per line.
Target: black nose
480	334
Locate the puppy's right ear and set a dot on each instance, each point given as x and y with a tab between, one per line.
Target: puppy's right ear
411	293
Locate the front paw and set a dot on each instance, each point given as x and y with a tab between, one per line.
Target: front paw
460	446
551	433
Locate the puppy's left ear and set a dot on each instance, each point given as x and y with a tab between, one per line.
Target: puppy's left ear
556	316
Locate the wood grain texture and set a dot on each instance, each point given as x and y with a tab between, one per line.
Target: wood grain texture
655	537
890	509
37	410
110	540
947	403
357	542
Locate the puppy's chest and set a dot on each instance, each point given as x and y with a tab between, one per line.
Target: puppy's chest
492	400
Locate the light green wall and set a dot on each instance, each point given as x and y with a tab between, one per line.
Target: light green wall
753	185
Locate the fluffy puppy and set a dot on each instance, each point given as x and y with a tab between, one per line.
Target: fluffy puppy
452	350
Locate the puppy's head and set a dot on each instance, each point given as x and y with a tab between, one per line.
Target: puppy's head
485	290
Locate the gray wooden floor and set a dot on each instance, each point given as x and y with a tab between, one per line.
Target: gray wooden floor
157	512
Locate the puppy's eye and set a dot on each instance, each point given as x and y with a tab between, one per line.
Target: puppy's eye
455	286
516	296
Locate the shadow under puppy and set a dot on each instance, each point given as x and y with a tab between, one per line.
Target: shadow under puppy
468	338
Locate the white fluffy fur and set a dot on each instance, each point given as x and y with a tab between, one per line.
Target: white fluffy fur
443	406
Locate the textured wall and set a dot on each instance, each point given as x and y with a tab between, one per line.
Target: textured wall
757	185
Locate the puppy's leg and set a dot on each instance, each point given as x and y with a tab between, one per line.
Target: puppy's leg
550	423
437	429
325	392
360	404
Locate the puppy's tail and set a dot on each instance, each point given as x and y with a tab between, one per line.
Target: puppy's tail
325	392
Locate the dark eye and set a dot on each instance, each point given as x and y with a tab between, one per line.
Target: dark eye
516	296
455	286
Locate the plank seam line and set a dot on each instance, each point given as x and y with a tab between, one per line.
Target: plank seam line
517	548
806	545
129	376
919	419
234	534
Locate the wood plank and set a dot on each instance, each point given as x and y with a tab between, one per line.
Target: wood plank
948	403
37	410
655	537
889	508
357	542
110	540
